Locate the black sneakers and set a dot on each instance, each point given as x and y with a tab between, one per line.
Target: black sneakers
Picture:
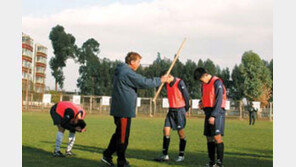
58	154
123	163
107	161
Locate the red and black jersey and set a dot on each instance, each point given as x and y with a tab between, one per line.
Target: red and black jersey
214	95
177	94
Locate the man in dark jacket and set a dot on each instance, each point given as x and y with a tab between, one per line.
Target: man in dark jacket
124	97
252	113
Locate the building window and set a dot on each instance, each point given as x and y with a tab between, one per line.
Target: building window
24	75
40	80
41	59
41	49
40	69
26	64
27	40
27	52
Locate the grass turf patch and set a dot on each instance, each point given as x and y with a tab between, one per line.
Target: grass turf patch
244	145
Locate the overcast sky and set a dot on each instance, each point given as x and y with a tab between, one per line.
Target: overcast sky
221	30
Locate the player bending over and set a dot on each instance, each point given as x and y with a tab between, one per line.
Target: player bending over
67	115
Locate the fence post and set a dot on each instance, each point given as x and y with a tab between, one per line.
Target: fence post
270	111
240	110
31	100
189	112
154	106
100	106
90	104
61	97
150	107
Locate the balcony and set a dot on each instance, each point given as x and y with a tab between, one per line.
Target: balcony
29	59
26	69
41	54
39	74
40	64
26	46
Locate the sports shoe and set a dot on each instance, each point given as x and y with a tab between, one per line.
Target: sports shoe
107	161
162	158
210	164
219	163
180	159
70	153
58	154
123	164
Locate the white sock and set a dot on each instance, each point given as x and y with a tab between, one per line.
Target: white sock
71	141
58	141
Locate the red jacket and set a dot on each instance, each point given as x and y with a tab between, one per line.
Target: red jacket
175	97
208	94
63	105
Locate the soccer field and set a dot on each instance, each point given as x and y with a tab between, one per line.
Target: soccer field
244	145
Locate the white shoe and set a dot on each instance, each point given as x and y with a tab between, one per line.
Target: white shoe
162	158
180	159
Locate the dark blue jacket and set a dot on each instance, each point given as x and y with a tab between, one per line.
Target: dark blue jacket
124	93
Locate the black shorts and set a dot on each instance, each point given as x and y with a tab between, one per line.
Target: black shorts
217	128
56	118
176	119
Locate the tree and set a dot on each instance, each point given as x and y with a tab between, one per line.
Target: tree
225	76
64	47
270	67
237	88
257	83
89	70
210	67
200	63
187	76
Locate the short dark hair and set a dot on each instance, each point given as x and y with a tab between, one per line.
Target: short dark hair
132	56
199	72
163	72
81	124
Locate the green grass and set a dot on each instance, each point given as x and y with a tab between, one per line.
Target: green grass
244	145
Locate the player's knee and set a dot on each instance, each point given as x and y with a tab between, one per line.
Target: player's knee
218	139
181	133
166	131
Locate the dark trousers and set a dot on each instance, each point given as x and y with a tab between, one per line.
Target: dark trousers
119	140
252	118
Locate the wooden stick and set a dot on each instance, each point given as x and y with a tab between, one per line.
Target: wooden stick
170	69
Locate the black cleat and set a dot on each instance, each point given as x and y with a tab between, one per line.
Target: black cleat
162	158
58	154
210	164
107	161
123	164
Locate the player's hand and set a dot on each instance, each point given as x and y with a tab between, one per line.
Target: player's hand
78	129
83	130
212	120
170	79
164	78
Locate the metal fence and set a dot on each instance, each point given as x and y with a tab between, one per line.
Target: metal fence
94	104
